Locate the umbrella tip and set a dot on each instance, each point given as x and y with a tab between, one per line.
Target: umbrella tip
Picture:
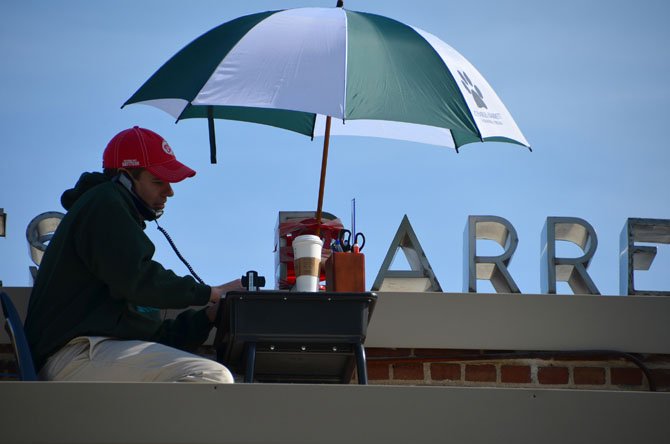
340	4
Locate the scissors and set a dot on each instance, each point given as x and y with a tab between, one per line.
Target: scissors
346	240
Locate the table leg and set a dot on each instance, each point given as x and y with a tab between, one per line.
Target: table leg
361	367
251	362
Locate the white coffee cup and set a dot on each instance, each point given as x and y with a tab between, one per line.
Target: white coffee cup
307	261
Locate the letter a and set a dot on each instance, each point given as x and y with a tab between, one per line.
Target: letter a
420	278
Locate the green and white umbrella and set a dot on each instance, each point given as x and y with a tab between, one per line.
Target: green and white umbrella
298	68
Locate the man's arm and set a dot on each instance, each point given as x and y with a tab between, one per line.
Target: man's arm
191	328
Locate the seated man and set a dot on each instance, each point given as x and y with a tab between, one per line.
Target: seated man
94	311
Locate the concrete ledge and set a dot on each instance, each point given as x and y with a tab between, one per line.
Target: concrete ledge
480	321
52	412
636	324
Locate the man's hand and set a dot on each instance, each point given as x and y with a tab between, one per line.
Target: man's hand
217	293
211	311
220	290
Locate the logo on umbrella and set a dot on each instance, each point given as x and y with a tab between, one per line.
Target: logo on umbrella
472	89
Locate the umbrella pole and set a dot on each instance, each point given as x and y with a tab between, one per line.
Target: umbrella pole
322	183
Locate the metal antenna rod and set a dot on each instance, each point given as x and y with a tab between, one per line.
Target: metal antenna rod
353	217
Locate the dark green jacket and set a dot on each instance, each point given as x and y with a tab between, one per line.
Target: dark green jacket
97	278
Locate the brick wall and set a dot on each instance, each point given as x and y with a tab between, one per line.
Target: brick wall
480	368
472	368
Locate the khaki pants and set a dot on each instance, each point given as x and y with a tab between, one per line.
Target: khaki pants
95	358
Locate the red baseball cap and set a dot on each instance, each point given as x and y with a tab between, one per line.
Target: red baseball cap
142	148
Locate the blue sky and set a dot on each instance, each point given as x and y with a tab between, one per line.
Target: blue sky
585	81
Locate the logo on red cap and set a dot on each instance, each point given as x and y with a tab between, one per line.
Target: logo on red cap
142	148
167	148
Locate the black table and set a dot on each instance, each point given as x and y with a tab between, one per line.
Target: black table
281	336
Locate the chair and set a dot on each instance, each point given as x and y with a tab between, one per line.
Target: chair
14	328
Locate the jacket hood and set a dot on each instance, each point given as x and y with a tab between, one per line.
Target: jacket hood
85	183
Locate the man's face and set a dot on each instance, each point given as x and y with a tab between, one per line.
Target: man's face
152	190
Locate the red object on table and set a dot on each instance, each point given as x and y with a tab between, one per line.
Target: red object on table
289	230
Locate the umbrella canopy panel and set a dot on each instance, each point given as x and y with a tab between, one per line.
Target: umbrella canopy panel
289	68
